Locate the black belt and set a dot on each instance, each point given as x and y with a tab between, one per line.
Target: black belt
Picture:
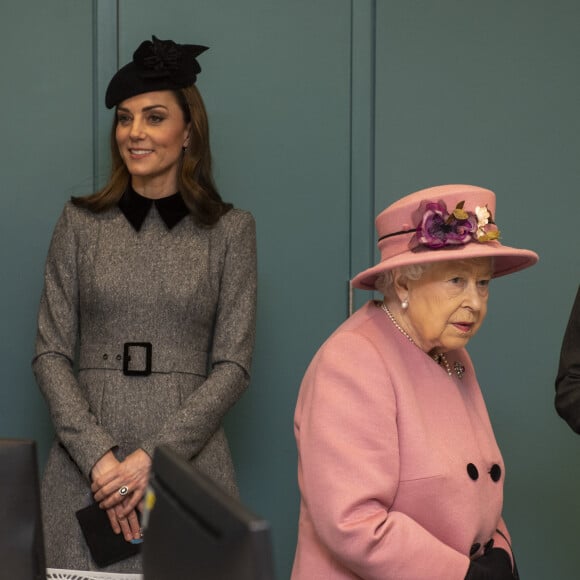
143	358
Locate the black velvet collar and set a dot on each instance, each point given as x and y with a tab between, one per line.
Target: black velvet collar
135	208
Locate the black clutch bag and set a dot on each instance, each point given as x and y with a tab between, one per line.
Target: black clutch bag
105	546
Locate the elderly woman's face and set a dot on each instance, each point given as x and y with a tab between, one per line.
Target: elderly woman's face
448	303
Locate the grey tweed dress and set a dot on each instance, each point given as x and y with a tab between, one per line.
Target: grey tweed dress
190	293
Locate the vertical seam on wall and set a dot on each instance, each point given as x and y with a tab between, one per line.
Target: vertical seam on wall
373	124
362	135
373	80
349	289
351	146
105	62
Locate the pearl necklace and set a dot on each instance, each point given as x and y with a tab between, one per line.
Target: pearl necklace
440	359
394	321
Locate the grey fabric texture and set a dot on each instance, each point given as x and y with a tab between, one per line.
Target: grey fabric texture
191	293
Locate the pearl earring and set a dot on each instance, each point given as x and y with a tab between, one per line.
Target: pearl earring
405	304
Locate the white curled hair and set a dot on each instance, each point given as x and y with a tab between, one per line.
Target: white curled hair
385	282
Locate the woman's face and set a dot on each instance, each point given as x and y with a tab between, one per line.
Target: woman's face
447	304
151	133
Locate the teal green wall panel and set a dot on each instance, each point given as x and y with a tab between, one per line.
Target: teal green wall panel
277	85
321	114
46	71
487	93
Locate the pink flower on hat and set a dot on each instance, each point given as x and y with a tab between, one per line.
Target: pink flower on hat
438	228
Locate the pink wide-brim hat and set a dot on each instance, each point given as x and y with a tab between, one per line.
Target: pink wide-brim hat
398	242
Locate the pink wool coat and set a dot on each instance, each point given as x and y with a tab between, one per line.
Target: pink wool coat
400	474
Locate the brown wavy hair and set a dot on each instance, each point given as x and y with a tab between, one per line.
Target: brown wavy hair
195	178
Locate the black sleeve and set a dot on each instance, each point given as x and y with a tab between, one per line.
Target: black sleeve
568	378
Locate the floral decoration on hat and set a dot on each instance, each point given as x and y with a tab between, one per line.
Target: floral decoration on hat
163	58
438	228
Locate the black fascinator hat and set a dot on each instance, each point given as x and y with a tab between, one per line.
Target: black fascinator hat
157	65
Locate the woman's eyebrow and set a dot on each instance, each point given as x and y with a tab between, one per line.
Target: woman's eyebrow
148	108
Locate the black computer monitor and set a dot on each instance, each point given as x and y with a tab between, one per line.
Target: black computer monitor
195	530
21	538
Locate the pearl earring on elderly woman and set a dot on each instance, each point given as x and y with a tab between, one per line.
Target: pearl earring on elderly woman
405	303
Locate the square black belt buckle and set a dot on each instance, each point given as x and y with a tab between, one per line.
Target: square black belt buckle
127	359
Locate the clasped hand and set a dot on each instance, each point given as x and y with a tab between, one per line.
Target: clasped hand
119	487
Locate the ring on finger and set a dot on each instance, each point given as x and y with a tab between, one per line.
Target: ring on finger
123	491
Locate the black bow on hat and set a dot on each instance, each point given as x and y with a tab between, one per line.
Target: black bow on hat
157	65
